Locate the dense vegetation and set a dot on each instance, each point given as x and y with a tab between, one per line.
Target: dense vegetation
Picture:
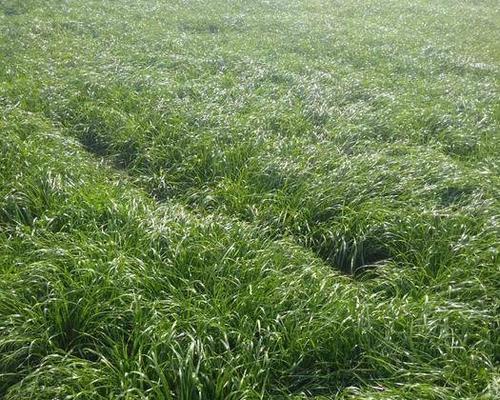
249	199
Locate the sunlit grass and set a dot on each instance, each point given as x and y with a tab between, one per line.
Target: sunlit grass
249	200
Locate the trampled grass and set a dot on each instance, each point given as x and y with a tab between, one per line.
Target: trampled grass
249	199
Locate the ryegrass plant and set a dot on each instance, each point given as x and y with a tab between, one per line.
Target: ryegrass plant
249	200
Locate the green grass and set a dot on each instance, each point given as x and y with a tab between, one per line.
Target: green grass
249	199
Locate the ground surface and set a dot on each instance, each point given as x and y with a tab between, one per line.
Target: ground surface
249	199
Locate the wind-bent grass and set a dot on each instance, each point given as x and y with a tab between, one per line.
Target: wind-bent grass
239	200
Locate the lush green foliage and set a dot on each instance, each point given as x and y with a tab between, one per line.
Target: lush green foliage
249	199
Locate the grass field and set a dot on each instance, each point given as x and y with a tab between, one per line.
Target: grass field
249	199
